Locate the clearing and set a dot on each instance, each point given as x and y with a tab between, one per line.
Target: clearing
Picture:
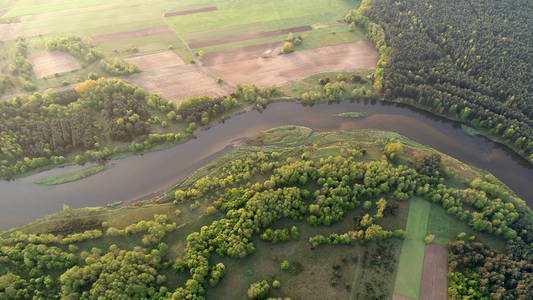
279	69
178	82
412	256
156	60
48	63
131	34
9	32
434	281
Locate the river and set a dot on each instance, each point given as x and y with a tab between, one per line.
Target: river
140	177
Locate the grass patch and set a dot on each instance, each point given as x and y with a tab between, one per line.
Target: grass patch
411	263
352	115
446	228
78	175
115	204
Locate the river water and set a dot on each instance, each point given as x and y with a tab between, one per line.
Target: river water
140	177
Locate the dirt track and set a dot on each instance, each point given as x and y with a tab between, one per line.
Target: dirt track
280	69
131	34
245	37
9	32
434	282
47	63
156	61
189	11
178	82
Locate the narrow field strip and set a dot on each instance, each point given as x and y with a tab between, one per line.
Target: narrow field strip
434	281
156	61
410	267
189	11
131	34
245	37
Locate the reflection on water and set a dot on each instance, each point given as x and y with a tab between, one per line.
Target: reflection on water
139	177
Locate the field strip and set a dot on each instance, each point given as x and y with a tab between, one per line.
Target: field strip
434	281
156	61
245	37
189	11
178	82
280	69
410	267
131	34
47	63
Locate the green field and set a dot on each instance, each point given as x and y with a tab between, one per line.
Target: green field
411	262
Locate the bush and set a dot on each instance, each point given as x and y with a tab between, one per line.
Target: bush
287	48
276	284
258	290
285	265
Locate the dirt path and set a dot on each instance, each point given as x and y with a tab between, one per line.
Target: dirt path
400	297
189	11
434	282
245	37
279	69
131	34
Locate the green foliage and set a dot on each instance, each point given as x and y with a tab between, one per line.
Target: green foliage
71	176
73	120
76	46
287	48
285	265
118	67
258	290
393	149
466	72
481	273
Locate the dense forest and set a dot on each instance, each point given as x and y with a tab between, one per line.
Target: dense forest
250	195
94	120
469	60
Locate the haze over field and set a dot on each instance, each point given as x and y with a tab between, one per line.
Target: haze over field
266	149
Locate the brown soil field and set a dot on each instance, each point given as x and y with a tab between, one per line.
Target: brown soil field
245	37
178	82
434	282
400	297
237	54
131	34
279	69
156	61
47	63
9	32
189	11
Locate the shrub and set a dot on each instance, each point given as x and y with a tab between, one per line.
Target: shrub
285	265
287	48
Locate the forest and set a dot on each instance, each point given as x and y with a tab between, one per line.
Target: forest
247	196
99	118
468	60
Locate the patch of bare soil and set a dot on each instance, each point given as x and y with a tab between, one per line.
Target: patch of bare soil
178	82
243	53
189	11
280	69
245	37
9	32
434	282
131	34
156	60
47	63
